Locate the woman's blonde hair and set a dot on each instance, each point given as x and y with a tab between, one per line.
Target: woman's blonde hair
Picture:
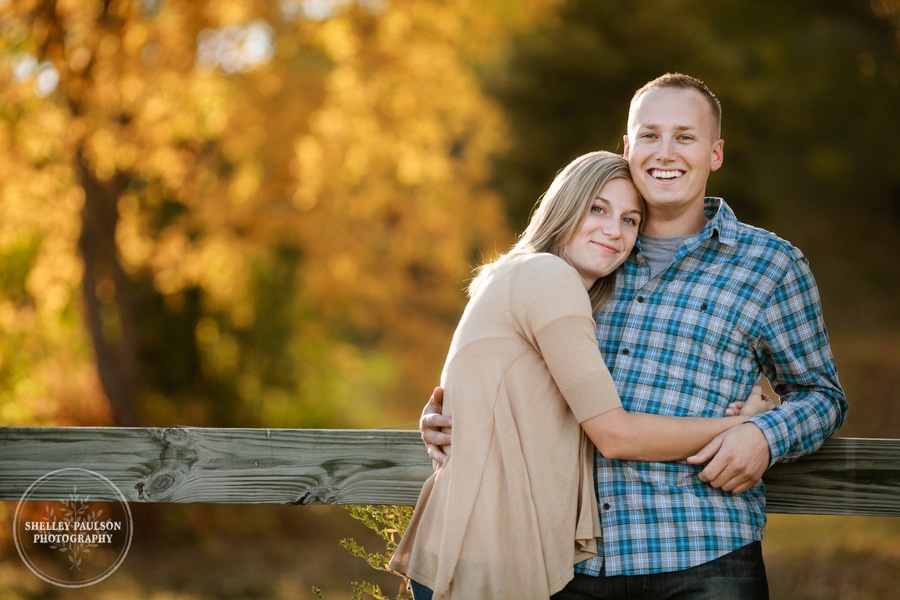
560	212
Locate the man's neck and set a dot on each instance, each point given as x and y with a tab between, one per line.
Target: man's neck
675	223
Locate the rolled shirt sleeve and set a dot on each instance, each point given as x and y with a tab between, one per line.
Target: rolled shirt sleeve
796	357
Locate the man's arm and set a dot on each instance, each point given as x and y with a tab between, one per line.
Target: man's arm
435	428
796	357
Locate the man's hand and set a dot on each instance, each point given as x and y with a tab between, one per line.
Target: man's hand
736	459
435	428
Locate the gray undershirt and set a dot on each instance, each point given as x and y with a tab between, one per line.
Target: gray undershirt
660	251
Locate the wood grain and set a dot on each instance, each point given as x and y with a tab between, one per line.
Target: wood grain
847	476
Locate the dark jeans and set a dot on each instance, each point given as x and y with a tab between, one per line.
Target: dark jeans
420	592
740	575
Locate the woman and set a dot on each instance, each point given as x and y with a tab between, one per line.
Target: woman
511	512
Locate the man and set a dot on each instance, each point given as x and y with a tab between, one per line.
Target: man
705	306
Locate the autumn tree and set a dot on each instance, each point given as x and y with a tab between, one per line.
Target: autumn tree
263	212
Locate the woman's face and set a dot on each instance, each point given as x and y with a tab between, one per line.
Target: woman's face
607	233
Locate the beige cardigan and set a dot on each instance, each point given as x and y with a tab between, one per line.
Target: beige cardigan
514	508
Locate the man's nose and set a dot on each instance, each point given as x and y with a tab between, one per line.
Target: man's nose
665	150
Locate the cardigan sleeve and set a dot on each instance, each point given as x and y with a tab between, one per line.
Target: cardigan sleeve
553	312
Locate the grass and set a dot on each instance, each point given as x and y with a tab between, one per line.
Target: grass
206	552
811	557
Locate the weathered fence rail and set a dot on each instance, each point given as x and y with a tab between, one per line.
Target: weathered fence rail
847	476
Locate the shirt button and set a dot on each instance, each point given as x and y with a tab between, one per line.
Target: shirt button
626	352
640	298
606	506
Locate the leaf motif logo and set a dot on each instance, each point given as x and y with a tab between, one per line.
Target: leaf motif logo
75	510
89	528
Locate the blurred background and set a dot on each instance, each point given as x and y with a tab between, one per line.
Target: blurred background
259	213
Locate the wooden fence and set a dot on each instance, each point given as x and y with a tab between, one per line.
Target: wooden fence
847	476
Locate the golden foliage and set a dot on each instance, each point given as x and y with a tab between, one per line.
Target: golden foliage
214	135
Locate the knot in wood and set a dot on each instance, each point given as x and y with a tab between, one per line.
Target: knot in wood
319	495
175	436
160	484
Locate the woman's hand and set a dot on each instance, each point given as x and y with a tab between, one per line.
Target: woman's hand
435	429
757	402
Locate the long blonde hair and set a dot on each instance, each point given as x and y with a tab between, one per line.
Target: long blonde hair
560	212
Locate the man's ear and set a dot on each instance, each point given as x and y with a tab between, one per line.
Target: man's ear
718	155
626	145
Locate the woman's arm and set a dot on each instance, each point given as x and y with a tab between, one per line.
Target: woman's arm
622	435
552	313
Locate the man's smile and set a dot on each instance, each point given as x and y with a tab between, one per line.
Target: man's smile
670	174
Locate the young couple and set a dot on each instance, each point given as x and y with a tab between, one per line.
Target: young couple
522	505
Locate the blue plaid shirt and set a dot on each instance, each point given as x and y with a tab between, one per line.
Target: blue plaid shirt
736	303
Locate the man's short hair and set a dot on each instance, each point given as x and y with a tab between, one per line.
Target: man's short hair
682	81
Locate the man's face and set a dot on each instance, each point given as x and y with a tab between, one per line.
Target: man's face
672	145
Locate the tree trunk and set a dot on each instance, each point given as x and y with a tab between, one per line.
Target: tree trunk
109	312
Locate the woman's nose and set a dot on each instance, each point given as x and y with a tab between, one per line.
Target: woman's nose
612	228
